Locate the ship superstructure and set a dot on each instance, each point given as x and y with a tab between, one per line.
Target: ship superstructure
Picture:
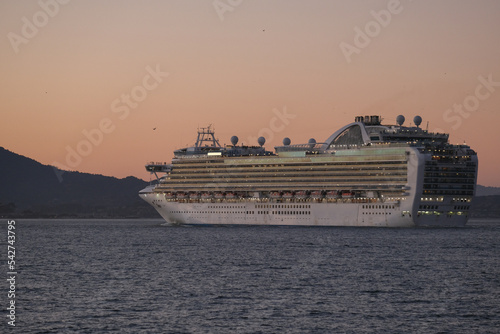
364	174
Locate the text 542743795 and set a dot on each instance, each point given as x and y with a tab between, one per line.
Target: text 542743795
11	274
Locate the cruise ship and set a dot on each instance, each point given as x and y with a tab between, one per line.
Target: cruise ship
365	174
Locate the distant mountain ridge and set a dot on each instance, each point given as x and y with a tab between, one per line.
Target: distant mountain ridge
30	188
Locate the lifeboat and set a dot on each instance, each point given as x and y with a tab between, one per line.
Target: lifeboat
332	194
316	194
347	194
275	194
300	194
219	195
206	195
288	194
194	195
230	195
181	195
169	195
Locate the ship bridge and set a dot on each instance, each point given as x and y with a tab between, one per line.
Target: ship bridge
369	130
366	131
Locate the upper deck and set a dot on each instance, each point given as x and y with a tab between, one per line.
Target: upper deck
364	139
364	131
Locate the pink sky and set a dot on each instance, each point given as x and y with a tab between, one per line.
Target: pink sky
97	77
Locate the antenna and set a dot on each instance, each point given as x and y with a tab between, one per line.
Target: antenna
206	135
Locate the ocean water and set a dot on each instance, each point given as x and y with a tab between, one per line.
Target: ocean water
142	276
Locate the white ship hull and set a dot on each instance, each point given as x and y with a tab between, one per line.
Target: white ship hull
389	214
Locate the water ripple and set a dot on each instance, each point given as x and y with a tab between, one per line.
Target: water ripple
131	276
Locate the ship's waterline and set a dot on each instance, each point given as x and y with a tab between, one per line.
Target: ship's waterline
365	174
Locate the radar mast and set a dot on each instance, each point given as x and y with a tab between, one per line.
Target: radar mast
206	135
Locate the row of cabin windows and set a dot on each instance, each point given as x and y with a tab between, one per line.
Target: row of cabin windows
282	206
380	206
300	212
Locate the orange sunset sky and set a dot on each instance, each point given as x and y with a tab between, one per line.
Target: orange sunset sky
127	82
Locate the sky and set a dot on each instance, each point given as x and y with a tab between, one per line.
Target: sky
106	86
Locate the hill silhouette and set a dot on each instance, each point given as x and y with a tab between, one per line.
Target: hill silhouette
30	189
